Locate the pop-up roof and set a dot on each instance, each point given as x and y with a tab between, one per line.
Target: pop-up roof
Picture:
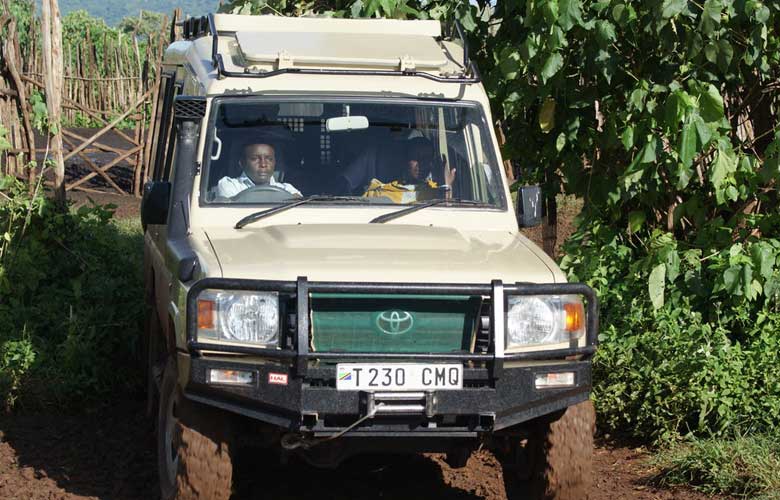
264	46
342	49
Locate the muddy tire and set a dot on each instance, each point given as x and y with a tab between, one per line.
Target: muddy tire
557	458
193	453
152	353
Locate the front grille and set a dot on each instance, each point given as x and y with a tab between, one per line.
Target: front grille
482	343
393	323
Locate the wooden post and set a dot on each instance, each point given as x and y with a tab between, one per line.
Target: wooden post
11	58
52	74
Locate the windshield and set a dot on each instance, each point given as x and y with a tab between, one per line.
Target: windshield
385	152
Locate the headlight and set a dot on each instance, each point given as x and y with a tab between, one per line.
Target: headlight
543	319
239	316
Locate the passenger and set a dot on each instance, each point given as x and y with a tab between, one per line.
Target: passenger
258	163
415	180
419	163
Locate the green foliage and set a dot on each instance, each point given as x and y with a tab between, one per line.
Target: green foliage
71	301
462	10
689	336
4	144
745	467
145	25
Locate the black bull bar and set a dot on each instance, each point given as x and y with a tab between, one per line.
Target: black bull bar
301	288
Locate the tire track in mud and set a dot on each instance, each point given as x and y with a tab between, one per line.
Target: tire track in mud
110	455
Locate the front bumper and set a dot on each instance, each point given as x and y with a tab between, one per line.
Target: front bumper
314	405
498	392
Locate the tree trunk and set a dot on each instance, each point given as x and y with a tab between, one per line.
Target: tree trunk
52	75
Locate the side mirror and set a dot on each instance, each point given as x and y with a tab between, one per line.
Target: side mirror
154	204
529	206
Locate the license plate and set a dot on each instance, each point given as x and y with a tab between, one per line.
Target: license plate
398	377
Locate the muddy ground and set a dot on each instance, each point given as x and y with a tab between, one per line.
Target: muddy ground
110	454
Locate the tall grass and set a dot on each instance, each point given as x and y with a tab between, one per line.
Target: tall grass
745	467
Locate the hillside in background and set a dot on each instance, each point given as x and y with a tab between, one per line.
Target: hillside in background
114	10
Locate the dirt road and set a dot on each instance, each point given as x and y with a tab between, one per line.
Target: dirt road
110	455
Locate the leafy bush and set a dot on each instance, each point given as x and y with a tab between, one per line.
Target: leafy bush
71	301
688	352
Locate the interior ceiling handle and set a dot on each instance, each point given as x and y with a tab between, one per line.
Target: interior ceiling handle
218	142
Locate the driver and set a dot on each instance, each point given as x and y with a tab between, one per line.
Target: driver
258	163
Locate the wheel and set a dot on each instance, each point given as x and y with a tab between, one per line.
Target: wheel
557	457
153	352
263	193
193	454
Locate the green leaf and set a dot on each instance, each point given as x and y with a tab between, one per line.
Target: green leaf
684	175
702	130
687	149
605	33
725	164
547	115
560	142
623	14
636	220
510	63
467	20
570	14
528	48
711	52
552	65
672	264
627	138
710	17
657	285
725	55
711	104
747	281
764	258
550	11
648	153
731	280
637	98
672	8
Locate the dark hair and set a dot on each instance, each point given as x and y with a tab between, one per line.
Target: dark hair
256	142
416	144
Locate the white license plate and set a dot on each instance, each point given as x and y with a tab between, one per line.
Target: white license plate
398	376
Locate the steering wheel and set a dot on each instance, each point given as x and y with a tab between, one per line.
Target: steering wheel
262	194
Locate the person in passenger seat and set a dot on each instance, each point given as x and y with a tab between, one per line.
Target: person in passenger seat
258	163
415	182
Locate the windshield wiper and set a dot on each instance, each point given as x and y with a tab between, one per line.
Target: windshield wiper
292	204
430	203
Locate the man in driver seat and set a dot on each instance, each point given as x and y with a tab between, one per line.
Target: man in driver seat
258	163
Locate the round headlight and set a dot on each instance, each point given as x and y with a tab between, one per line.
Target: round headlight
531	321
249	318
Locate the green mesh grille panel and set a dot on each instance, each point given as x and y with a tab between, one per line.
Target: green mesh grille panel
393	323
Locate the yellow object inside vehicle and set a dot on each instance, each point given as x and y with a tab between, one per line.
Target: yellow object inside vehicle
402	193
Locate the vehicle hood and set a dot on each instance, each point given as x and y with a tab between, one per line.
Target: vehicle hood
379	253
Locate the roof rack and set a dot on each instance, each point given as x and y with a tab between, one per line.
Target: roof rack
196	27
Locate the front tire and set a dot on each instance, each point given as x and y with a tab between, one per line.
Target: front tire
193	453
558	457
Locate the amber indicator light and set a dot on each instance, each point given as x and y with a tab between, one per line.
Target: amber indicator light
206	314
575	316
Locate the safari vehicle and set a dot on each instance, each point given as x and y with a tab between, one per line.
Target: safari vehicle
321	288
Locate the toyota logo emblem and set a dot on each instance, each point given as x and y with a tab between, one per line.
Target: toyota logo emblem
394	322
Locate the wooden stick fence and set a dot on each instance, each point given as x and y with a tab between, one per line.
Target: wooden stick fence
109	81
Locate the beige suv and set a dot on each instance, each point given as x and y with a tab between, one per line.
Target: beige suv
333	265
